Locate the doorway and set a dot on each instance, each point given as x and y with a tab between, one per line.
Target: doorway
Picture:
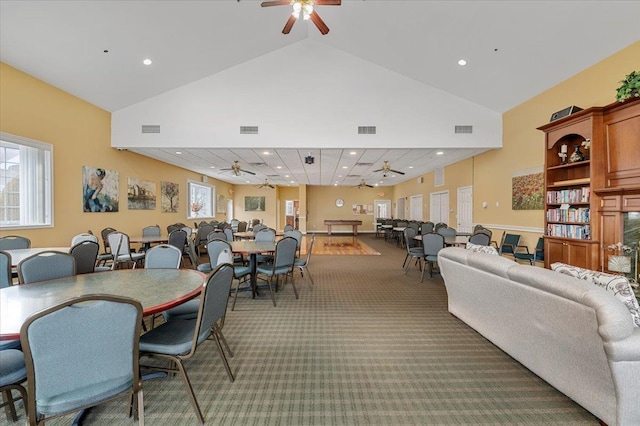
292	213
381	210
439	207
415	207
465	209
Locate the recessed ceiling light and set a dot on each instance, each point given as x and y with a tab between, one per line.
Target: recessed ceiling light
213	167
178	152
462	62
147	61
439	153
352	153
278	167
248	181
266	152
293	181
335	184
286	175
344	167
411	167
339	176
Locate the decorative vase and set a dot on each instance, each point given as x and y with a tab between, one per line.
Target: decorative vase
576	155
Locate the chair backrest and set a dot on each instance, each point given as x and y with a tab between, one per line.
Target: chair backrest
213	302
294	233
484	231
309	250
188	230
105	238
480	238
288	228
172	228
242	226
265	234
151	231
258	227
539	254
85	253
426	228
432	244
216	235
5	269
101	350
178	239
163	256
83	237
255	221
439	225
12	242
228	231
409	241
203	231
509	243
285	254
119	243
214	248
46	265
414	225
447	232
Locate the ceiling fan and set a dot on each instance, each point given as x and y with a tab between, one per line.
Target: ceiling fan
304	7
386	169
363	185
266	184
236	169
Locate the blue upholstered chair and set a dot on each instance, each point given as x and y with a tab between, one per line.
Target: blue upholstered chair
294	233
288	228
5	270
426	228
283	262
480	238
67	372
84	236
46	265
414	250
303	264
86	255
431	244
13	242
509	244
163	256
178	339
121	250
12	373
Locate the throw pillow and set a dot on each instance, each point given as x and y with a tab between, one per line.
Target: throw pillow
563	268
482	249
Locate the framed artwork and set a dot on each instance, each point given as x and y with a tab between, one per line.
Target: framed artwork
99	190
220	204
254	204
527	191
170	197
141	194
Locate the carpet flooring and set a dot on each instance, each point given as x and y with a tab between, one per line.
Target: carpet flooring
367	345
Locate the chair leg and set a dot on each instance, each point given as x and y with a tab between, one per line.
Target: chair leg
192	395
216	337
405	261
308	274
293	284
9	405
224	342
273	296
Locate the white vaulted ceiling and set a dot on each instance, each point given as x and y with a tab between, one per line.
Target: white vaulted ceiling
219	65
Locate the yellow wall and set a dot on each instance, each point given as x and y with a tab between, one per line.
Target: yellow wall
523	144
268	216
81	135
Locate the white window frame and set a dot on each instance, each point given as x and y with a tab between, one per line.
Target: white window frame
209	201
36	178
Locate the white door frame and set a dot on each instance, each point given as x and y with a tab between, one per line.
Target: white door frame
415	207
464	214
439	206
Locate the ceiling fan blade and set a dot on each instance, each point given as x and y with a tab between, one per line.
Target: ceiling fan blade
275	3
289	24
327	2
395	171
251	173
370	186
319	22
379	170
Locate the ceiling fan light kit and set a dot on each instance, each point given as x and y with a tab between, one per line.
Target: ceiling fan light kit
304	7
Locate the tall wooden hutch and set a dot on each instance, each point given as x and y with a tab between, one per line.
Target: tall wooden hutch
586	198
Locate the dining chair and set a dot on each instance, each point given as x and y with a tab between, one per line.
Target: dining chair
179	239
98	361
6	278
163	256
177	340
288	228
121	250
480	238
228	232
106	255
151	231
414	250
509	244
447	232
86	254
12	373
426	228
242	226
438	226
283	262
268	235
431	244
532	258
258	227
303	264
46	265
84	236
14	242
200	239
294	233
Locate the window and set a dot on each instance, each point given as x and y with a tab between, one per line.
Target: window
201	204
26	190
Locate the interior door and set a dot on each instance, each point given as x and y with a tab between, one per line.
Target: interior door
465	209
400	209
415	207
381	209
439	207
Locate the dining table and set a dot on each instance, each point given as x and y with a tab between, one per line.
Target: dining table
252	248
18	255
156	289
148	240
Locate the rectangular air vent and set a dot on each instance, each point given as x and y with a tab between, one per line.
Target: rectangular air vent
464	129
150	128
248	130
366	130
354	176
258	164
364	164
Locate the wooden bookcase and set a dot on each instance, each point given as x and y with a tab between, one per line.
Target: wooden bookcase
572	224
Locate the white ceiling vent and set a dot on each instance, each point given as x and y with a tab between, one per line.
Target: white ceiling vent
150	128
366	130
258	164
248	130
464	129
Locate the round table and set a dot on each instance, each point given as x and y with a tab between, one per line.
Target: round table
156	289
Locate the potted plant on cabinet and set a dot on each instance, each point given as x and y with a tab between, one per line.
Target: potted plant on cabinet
630	87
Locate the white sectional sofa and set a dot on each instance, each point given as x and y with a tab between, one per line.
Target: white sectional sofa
576	336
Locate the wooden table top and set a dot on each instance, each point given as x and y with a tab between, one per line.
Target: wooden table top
156	289
252	246
149	239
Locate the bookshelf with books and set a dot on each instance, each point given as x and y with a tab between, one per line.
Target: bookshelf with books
571	229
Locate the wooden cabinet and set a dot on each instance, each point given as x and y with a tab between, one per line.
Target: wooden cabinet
583	254
621	147
571	228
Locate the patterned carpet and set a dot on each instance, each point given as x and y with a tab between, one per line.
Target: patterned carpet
366	345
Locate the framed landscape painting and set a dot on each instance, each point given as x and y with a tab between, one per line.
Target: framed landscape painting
141	194
254	204
527	189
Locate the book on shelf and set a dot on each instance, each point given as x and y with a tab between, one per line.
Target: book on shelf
576	195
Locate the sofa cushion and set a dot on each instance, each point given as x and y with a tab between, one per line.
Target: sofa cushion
481	249
618	285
